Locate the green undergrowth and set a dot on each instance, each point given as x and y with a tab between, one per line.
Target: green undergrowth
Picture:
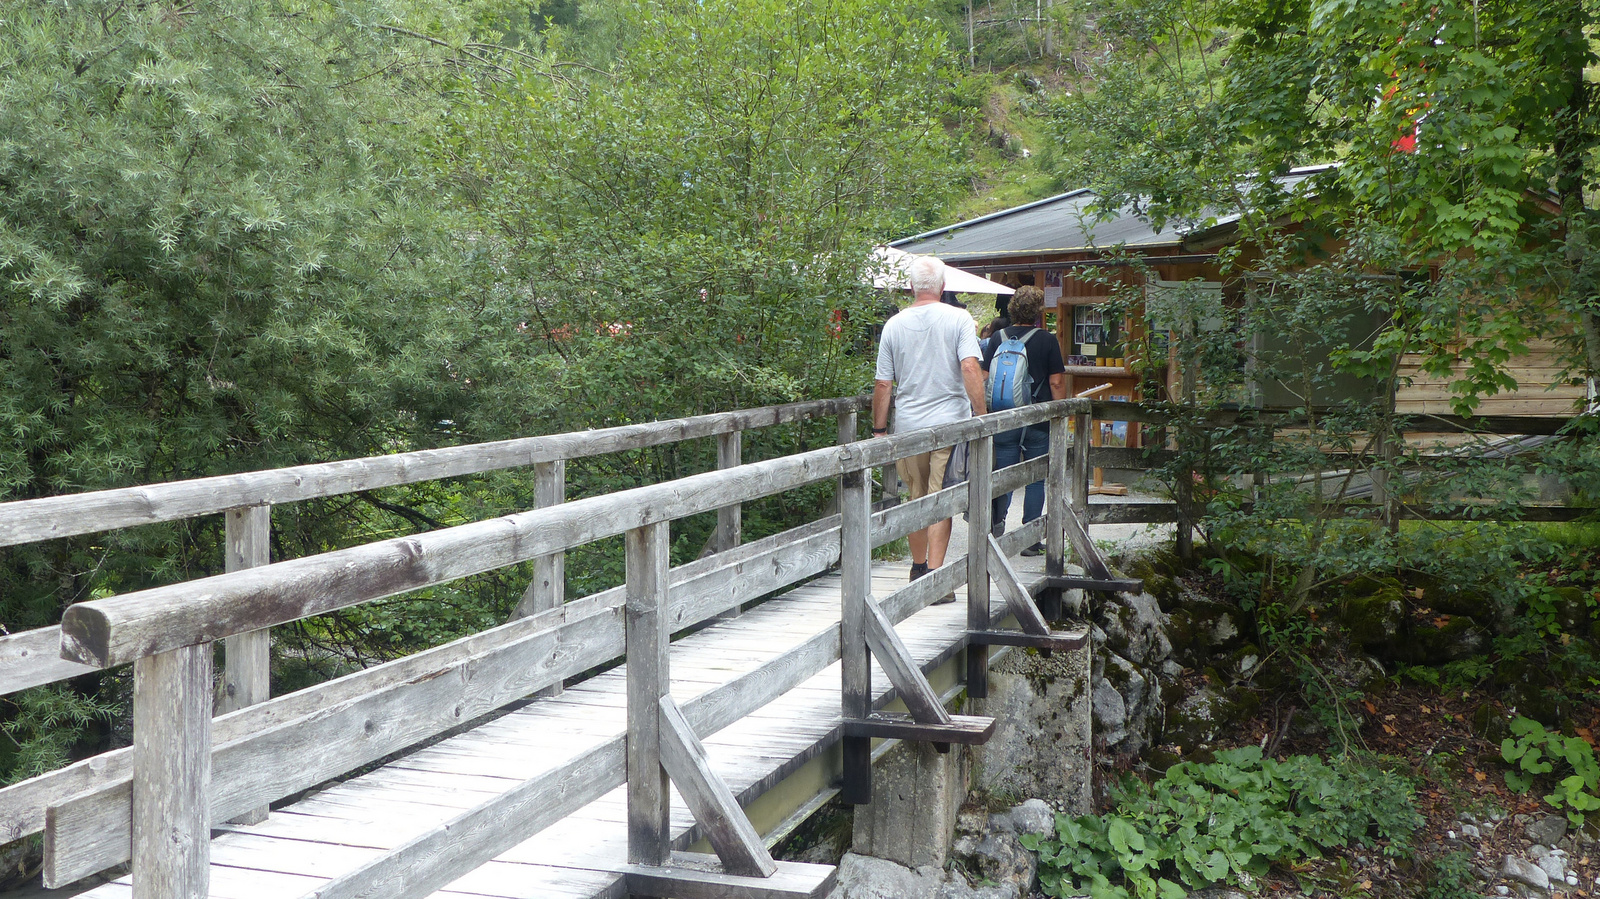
1224	822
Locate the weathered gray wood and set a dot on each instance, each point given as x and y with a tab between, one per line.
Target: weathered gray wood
1055	640
32	659
172	698
26	521
855	572
968	729
980	492
1114	585
1088	555
724	823
1129	457
482	672
548	587
247	658
1015	477
730	454
1132	513
450	850
1058	501
434	859
122	628
1018	600
89	832
690	877
649	814
1080	464
901	667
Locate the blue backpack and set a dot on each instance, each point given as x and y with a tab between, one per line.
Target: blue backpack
1010	383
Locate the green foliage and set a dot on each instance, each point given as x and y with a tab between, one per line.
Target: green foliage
1534	751
1219	822
684	226
45	725
1452	877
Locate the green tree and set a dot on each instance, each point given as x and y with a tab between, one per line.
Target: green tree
684	227
213	257
1465	137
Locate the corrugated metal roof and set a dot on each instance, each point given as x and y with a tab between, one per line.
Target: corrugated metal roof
1059	224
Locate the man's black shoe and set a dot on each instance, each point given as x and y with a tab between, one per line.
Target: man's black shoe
918	569
1035	550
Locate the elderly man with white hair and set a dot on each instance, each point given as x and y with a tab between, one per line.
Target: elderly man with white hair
928	359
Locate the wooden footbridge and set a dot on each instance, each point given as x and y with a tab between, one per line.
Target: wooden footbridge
570	786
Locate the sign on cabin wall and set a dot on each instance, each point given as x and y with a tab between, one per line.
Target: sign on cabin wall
1052	288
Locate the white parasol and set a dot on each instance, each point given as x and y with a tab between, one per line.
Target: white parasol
889	270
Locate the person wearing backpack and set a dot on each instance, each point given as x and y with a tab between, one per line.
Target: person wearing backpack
1024	365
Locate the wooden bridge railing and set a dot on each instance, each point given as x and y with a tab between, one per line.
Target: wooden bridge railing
32	658
154	803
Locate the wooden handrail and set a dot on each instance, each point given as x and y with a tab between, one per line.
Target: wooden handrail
29	520
1107	410
119	629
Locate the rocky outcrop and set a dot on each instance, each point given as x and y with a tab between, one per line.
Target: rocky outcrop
1130	645
1041	743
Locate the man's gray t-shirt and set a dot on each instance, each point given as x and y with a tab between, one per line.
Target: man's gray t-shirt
921	351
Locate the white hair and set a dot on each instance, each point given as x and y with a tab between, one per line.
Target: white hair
926	273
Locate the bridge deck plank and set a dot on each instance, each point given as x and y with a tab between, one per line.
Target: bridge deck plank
335	830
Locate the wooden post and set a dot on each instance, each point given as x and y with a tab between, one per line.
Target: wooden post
649	837
1081	422
730	519
1056	493
548	588
247	658
980	465
855	571
172	700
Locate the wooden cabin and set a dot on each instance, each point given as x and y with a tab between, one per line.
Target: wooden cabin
1059	245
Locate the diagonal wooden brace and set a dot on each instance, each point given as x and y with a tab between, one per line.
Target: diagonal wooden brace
1018	599
1088	555
902	668
713	804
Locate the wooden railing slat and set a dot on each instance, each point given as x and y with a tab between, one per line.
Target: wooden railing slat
26	521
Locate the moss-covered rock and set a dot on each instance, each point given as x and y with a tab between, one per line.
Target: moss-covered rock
1201	718
1434	641
1374	621
1201	629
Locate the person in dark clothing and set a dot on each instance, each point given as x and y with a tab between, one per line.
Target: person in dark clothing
1049	376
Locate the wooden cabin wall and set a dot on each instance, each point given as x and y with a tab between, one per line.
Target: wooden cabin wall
1539	388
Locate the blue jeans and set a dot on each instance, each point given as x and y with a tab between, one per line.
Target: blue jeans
1011	447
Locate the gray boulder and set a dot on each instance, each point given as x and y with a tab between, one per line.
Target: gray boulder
1127	704
1034	817
1548	830
1525	872
1134	627
865	877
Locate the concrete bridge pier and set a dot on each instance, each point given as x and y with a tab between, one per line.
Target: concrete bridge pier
1041	749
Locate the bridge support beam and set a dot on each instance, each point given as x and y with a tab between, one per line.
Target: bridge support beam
913	813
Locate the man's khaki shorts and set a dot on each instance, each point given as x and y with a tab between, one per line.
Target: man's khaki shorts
924	474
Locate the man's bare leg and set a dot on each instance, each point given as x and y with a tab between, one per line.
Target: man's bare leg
919	546
938	541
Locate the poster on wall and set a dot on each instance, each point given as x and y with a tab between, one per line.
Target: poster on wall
1052	289
1088	326
1114	433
